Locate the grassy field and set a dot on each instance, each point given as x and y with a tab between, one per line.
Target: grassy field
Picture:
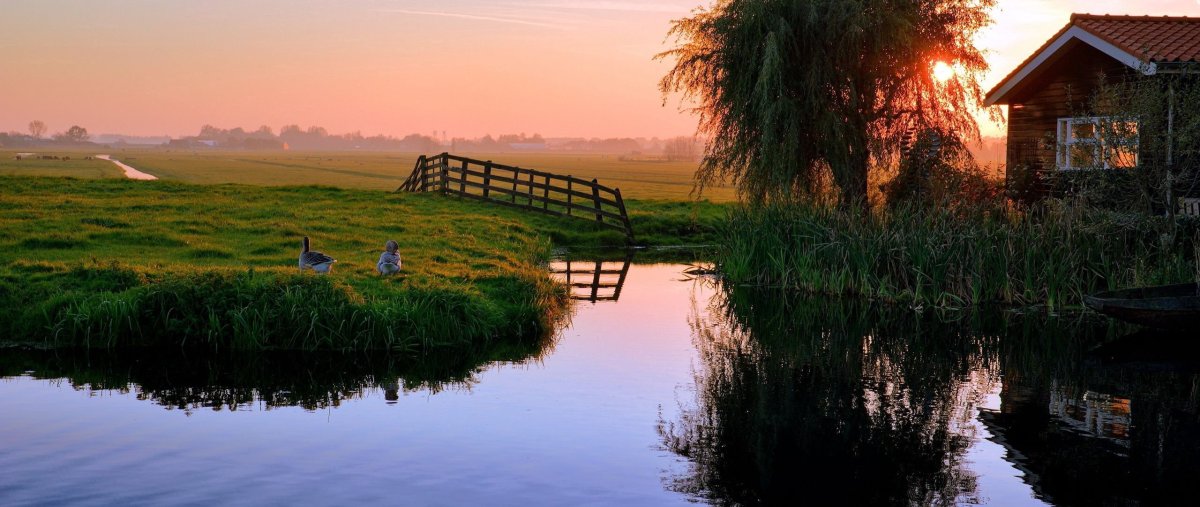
115	262
638	180
77	167
207	255
103	263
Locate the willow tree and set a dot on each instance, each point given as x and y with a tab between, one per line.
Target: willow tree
791	90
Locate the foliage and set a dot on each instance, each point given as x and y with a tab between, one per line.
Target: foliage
933	174
1158	117
75	134
794	92
1052	255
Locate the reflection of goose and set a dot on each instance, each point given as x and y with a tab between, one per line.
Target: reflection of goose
315	261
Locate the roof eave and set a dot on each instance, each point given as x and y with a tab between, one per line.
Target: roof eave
999	94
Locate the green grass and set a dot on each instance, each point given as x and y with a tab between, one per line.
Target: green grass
1053	256
77	167
110	262
114	262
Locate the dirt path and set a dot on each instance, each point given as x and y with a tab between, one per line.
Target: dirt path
130	172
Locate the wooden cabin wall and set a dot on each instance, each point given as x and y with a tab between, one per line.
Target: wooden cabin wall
1062	90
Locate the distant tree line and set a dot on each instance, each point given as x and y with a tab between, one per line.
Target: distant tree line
296	138
35	136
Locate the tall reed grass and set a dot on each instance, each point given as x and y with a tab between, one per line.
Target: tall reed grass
1052	256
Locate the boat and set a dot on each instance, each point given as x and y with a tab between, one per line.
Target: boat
1164	307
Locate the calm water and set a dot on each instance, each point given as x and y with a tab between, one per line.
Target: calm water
674	393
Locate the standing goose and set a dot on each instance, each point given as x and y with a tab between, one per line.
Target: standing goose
315	261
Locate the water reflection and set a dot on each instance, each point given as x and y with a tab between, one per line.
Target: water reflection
851	403
598	278
188	380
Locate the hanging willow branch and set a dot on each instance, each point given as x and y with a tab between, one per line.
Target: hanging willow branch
792	91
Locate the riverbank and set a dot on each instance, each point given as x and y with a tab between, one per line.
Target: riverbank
109	263
1051	256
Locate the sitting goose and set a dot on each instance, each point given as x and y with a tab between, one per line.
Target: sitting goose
315	261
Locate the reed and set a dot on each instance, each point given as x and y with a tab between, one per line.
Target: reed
1052	256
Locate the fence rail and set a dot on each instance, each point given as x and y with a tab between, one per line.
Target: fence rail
528	189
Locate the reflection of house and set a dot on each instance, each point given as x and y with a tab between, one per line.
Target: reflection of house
1077	446
1047	95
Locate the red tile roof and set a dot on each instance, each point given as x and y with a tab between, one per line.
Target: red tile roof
1148	39
1151	39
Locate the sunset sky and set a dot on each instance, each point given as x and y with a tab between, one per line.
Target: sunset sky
467	67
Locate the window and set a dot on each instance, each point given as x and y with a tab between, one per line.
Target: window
1097	143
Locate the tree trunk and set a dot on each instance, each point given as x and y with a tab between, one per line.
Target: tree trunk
852	179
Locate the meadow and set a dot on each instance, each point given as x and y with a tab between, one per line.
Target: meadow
637	179
76	167
97	260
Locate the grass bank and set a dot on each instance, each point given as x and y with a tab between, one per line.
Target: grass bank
1052	256
111	263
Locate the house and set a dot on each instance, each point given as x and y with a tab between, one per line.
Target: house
1048	94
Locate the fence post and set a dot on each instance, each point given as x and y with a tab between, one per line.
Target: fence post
546	194
487	178
624	215
530	189
462	180
569	195
424	172
596	199
516	178
444	180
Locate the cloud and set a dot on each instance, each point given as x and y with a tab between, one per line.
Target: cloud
479	17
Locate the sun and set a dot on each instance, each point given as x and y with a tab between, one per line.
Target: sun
942	71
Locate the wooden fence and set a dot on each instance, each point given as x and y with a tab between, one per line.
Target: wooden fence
554	194
600	280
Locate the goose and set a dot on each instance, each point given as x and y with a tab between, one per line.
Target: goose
315	261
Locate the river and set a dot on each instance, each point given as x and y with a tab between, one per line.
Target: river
676	392
130	172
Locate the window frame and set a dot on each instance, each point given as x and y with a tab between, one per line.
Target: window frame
1102	145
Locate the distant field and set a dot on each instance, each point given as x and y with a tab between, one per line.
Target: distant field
366	170
77	167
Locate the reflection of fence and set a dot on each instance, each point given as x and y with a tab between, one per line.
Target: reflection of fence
521	188
592	280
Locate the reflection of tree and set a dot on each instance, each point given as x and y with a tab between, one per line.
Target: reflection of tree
830	403
231	381
849	403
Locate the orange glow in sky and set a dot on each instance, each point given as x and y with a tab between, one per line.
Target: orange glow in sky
467	67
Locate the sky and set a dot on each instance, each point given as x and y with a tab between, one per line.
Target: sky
466	67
